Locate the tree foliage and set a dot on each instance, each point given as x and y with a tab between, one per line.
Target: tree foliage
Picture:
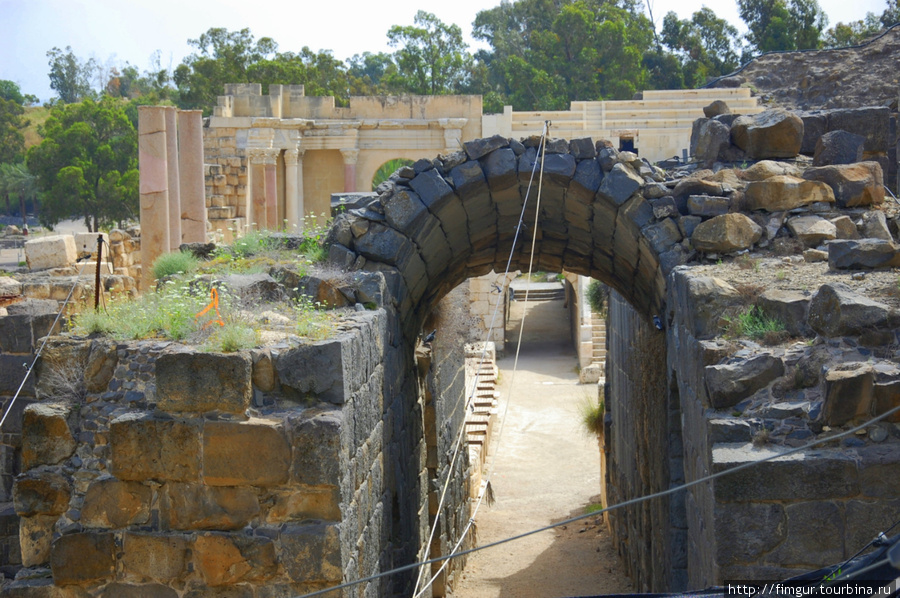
782	24
9	90
705	45
16	181
70	76
12	122
431	57
86	164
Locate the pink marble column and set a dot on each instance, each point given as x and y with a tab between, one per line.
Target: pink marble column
350	157
154	186
191	187
271	191
173	178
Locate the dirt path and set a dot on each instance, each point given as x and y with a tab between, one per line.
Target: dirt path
547	470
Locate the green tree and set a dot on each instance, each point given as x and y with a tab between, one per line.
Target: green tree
69	76
891	14
319	72
223	57
12	122
706	45
16	180
10	91
86	164
782	24
368	73
852	33
432	57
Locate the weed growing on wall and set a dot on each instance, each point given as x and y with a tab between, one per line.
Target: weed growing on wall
753	323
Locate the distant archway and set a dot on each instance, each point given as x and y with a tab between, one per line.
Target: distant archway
384	171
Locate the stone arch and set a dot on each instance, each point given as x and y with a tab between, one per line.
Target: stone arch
403	161
456	218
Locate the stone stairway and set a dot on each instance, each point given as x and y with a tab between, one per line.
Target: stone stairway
537	291
598	338
481	419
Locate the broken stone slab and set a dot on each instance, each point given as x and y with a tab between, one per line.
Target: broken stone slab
859	184
846	228
848	393
697	185
404	210
704	301
788	307
836	310
728	384
481	147
582	148
662	235
712	138
838	147
664	207
775	133
782	192
862	254
812	230
726	233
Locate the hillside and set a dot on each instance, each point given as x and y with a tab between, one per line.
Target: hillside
865	75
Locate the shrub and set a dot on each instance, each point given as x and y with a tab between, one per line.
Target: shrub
596	296
176	262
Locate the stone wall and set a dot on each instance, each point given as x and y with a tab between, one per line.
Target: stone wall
643	426
176	473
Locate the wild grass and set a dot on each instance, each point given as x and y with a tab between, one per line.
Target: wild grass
591	412
173	263
753	323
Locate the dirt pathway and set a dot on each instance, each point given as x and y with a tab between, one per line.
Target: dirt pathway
547	470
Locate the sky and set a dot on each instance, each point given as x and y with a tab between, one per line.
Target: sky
133	30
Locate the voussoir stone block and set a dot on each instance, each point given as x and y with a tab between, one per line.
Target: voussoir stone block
500	169
83	558
162	557
317	449
195	506
225	560
232	454
200	382
41	493
46	437
315	550
112	503
619	184
143	447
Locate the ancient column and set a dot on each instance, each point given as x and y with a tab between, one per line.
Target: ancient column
192	188
154	185
256	215
350	158
173	177
270	161
293	189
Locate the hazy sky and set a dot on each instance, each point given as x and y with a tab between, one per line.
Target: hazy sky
132	30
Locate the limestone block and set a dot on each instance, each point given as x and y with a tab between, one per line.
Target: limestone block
41	493
765	169
9	286
110	503
774	133
862	254
782	192
35	539
728	384
143	447
161	557
231	453
319	545
87	243
696	185
848	393
317	449
200	382
55	251
195	506
46	437
836	310
263	376
812	230
226	560
307	502
726	233
83	558
860	184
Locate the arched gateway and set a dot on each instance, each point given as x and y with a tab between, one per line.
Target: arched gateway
440	222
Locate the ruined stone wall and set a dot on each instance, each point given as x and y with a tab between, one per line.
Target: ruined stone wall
784	517
177	471
639	429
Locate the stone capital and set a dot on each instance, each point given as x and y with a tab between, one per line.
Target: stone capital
350	156
266	156
292	157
